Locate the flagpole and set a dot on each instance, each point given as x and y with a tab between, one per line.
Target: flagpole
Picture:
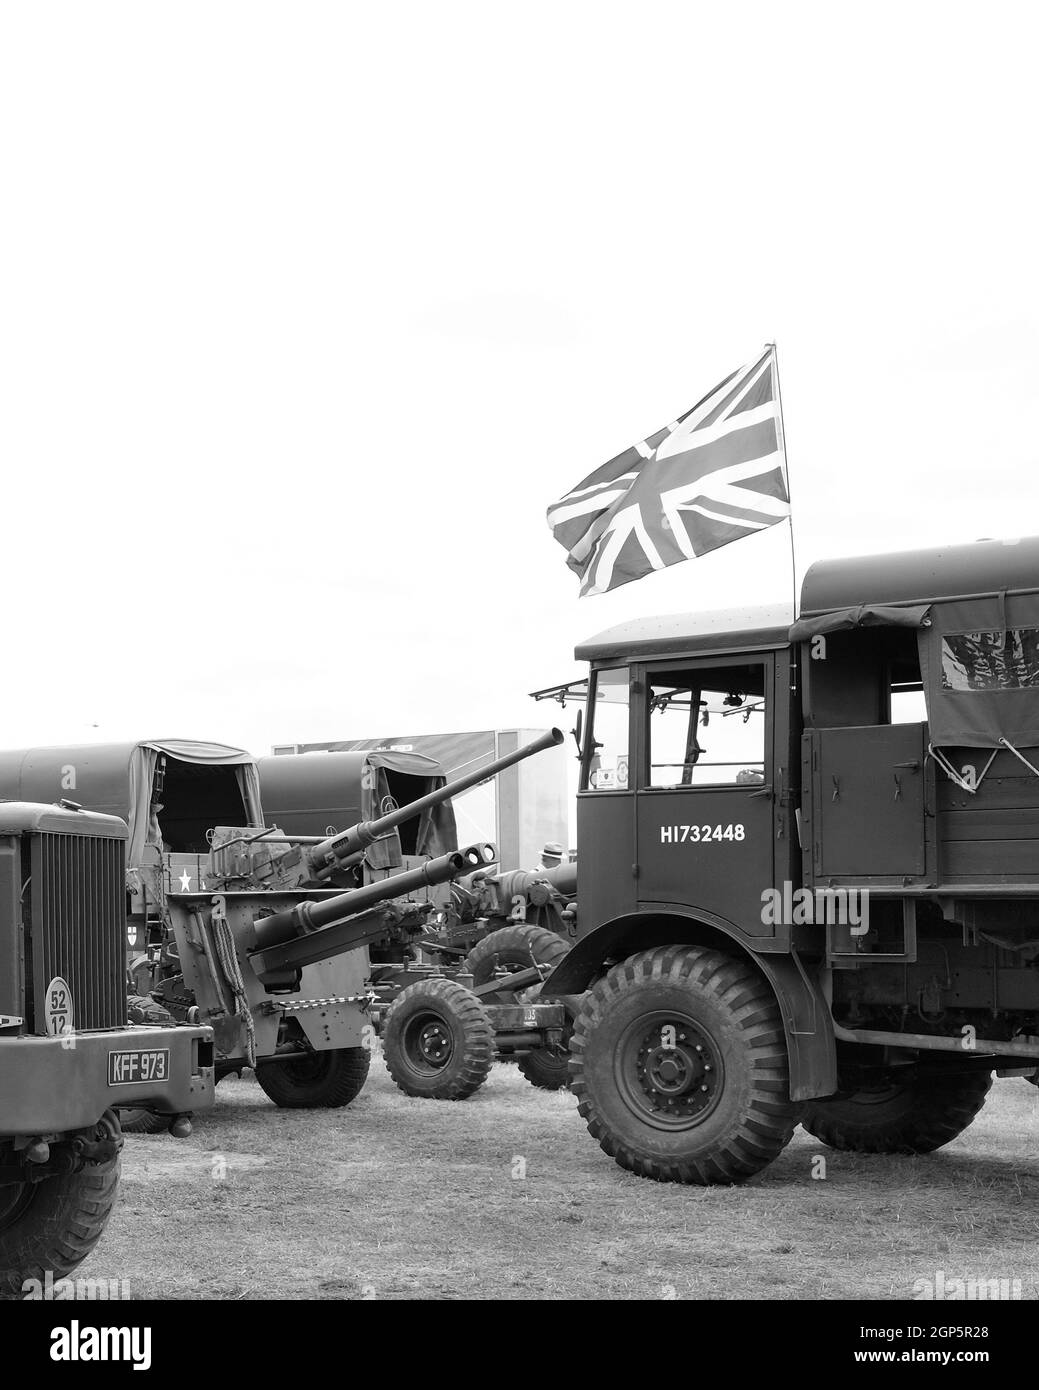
790	497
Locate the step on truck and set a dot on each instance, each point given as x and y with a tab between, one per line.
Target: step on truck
68	1059
808	880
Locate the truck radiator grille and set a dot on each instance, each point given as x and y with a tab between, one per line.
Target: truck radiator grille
78	927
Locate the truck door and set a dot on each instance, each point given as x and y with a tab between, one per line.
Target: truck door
706	796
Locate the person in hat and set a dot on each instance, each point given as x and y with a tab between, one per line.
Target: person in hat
552	856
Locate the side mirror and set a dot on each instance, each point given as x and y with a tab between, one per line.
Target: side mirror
578	730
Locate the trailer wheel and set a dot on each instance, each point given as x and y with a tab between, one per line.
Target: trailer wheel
900	1117
437	1041
679	1065
318	1081
548	1068
514	948
53	1225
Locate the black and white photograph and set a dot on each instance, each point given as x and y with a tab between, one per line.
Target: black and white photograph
519	774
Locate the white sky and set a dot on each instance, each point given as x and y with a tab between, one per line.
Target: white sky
310	310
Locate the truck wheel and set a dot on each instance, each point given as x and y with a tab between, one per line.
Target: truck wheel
318	1081
548	1068
514	948
438	1041
53	1225
900	1117
679	1065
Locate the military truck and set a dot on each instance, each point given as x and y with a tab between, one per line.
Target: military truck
809	866
68	1060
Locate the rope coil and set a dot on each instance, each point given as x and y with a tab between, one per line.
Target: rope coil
223	940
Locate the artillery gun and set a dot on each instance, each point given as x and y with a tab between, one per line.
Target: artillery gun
488	925
295	949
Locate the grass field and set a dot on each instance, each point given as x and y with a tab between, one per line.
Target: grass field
506	1196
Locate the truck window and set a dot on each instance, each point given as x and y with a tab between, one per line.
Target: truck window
870	675
707	727
606	760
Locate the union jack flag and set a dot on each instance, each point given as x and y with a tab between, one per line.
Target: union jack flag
714	475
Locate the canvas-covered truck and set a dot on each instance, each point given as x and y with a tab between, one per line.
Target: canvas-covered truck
809	866
170	792
68	1060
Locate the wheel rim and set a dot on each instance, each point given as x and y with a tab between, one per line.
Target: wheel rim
668	1070
427	1043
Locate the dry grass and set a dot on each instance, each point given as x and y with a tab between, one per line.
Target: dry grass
401	1198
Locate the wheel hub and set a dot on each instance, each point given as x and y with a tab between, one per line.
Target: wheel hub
671	1071
432	1042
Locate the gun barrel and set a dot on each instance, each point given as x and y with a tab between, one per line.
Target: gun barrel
563	879
337	848
312	916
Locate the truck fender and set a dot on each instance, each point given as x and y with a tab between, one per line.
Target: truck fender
806	1016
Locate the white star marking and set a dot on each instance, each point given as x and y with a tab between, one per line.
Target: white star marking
185	882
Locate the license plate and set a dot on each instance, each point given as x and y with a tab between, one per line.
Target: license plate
138	1064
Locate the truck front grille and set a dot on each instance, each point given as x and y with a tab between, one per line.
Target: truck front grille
77	924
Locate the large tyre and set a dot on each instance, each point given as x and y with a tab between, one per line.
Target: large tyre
437	1041
915	1116
517	948
318	1081
53	1225
514	948
679	1065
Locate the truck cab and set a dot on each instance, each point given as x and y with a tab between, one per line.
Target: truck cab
69	1061
808	880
